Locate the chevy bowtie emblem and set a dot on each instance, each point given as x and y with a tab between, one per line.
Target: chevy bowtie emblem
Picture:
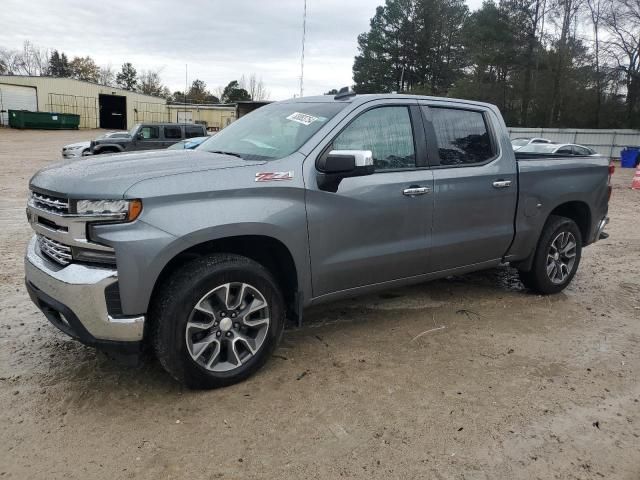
274	176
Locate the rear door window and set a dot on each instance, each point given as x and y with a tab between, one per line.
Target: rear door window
173	132
578	150
564	151
462	135
191	131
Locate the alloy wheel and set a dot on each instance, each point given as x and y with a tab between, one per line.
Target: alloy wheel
561	257
227	327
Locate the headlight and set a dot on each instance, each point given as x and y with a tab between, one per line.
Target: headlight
125	210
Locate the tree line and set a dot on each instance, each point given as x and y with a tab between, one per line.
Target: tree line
35	61
545	63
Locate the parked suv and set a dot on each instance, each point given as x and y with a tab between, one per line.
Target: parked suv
203	254
148	136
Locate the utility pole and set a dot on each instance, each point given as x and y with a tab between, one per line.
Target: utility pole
186	84
304	34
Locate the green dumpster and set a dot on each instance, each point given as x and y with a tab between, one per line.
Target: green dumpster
46	120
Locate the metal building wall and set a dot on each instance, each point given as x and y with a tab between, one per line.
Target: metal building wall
606	142
57	93
216	116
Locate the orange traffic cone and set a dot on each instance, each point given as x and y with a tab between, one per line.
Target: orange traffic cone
635	184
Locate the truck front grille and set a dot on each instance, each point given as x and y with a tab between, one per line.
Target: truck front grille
56	251
50	203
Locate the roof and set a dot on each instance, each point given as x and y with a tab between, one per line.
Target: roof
7	78
363	98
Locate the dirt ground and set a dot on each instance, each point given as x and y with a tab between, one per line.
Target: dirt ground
467	378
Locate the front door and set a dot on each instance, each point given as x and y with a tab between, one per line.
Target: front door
375	228
148	137
475	188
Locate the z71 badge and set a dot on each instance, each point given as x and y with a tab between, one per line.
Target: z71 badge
273	176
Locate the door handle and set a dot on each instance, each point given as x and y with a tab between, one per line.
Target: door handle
414	190
502	183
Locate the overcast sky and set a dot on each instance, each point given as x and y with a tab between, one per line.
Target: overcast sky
219	39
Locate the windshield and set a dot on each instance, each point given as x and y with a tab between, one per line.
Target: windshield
132	132
519	142
273	131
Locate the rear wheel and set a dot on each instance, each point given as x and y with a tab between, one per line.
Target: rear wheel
556	258
217	320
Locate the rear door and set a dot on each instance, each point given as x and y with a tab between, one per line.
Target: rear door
475	185
372	229
172	134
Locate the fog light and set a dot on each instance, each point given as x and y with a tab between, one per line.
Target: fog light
93	256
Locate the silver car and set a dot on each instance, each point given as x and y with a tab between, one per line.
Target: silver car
559	149
82	149
518	143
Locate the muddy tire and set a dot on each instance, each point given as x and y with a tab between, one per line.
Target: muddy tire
216	320
556	258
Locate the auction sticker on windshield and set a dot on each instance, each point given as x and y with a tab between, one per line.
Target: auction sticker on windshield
302	118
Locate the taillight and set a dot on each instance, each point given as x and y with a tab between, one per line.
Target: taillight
612	169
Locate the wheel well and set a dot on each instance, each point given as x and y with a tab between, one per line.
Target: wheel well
578	212
267	251
109	150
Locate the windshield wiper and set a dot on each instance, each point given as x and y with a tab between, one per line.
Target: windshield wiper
233	154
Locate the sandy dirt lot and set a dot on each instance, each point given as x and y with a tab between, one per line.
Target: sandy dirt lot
505	384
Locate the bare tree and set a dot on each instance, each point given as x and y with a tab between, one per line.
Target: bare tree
33	59
150	83
596	10
9	61
622	20
255	87
107	76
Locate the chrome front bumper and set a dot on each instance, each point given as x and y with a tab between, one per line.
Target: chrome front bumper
73	299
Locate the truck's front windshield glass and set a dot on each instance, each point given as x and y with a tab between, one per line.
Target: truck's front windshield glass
273	131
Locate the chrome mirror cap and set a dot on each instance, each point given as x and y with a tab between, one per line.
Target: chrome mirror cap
363	158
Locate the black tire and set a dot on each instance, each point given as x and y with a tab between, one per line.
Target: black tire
537	278
174	303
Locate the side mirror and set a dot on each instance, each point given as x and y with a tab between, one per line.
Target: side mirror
140	136
338	164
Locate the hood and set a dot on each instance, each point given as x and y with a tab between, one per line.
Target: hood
78	145
105	139
109	176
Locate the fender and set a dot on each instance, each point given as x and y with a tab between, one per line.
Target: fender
98	148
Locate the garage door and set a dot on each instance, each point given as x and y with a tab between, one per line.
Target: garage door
14	97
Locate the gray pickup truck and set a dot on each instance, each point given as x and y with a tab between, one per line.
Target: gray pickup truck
147	136
203	254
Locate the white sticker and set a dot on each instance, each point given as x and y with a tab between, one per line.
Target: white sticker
54	117
302	118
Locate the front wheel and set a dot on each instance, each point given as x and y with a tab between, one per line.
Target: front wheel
556	258
217	320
